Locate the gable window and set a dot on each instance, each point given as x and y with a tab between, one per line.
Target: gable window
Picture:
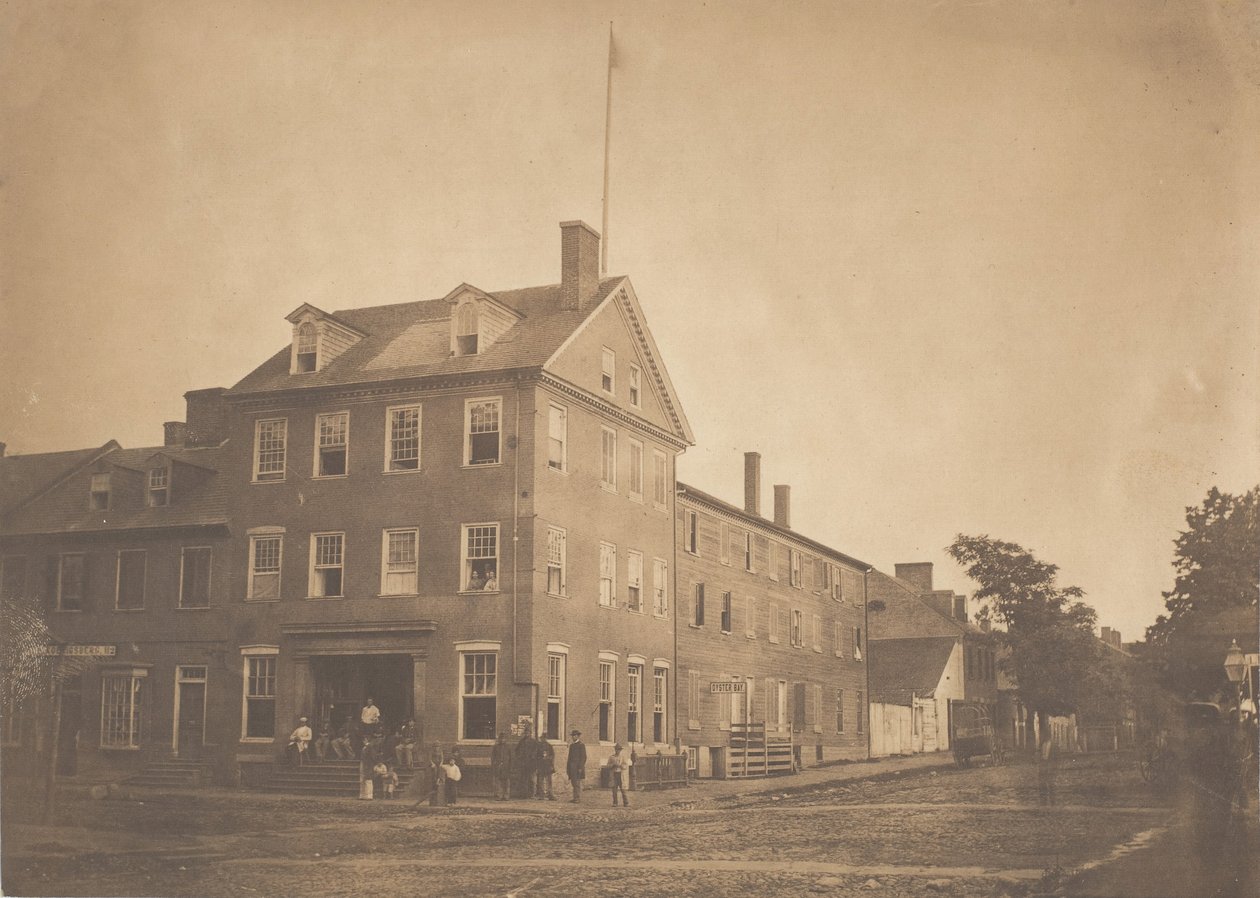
607	574
726	612
660	485
332	437
401	549
636	386
659	681
557	438
122	704
98	498
270	438
697	606
798	627
306	352
554	724
557	547
634	701
70	582
660	587
794	561
636	470
634	581
260	697
264	567
194	577
479	695
607	674
466	329
481	437
608	459
608	371
402	441
748	550
159	487
130	586
13	576
480	563
327	564
693	533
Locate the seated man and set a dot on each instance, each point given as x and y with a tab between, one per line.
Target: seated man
299	741
323	744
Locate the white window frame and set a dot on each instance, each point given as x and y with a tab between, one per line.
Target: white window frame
857	643
469	405
317	457
159	487
472	650
660	587
840	711
386	534
607	686
250	588
636	470
316	566
750	556
561	540
465	560
796	628
636	386
607	575
256	652
696	618
691	532
660	702
301	348
634	582
794	567
183	560
465	323
726	617
635	670
275	473
391	462
608	371
144	578
608	458
100	484
557	688
558	413
134	708
660	484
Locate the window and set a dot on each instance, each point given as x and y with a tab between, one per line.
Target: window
264	567
818	712
748	550
122	704
660	484
306	355
839	711
660	677
693	533
838	636
130	585
636	386
773	562
750	617
798	625
402	438
726	612
634	581
776	704
478	696
159	487
98	498
554	724
481	557
260	697
556	550
818	637
607	672
660	588
636	470
833	582
693	700
697	606
608	459
607	575
13	577
331	437
724	538
194	577
400	562
774	622
557	438
466	329
861	708
270	438
481	443
70	581
608	371
327	564
794	562
634	701
857	643
693	760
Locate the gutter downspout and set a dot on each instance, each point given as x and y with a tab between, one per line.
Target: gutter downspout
866	659
516	524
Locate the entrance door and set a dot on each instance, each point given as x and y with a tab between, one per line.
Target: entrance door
190	717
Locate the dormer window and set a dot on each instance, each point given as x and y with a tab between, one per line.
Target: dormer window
159	487
98	499
466	331
306	352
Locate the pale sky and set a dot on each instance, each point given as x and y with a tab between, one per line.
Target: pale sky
951	266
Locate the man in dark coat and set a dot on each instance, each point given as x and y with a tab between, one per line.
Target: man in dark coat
501	767
576	766
524	764
545	769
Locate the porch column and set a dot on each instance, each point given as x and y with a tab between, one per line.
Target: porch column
419	676
303	692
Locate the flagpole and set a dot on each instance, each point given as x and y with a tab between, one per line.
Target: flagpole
603	244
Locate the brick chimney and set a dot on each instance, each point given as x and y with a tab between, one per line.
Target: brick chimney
752	483
175	433
960	607
783	505
207	414
579	264
918	574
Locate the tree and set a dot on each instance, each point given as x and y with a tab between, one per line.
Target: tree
1216	577
1053	655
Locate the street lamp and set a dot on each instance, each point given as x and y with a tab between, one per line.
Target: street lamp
1236	669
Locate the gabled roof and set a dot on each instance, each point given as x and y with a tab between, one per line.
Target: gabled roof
23	477
906	614
902	668
307	309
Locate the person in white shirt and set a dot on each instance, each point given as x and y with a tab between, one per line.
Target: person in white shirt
299	741
370	716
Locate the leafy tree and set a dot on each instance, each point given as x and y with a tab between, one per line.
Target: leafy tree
1053	655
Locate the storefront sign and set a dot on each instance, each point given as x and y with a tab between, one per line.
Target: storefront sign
81	651
736	687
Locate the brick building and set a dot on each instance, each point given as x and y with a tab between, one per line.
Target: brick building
778	615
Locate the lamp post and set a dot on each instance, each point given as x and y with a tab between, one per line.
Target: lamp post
1236	669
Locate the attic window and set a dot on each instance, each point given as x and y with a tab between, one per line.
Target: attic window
159	487
99	497
466	329
307	351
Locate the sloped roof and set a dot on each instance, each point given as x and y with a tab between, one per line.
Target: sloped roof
905	614
412	339
902	668
24	476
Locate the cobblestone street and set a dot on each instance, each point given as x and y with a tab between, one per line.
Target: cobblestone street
914	832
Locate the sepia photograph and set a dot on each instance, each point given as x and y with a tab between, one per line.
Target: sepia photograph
668	449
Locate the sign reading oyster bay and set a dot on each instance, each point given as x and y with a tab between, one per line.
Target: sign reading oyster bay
81	651
737	687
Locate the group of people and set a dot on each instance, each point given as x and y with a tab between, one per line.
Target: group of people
398	746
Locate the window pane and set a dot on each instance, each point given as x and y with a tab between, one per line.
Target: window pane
404	438
269	441
483	433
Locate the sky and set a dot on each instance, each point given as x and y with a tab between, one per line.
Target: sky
950	267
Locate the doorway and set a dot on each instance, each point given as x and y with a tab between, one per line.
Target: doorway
190	712
344	682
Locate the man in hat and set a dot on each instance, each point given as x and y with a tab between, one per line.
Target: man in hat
576	765
619	773
299	739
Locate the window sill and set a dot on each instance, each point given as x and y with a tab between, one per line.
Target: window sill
329	476
129	610
249	601
398	595
119	747
192	608
278	480
635	610
725	632
750	635
482	464
475	742
693	724
659	507
478	592
558	595
402	471
635	497
612	607
68	610
556	470
696	626
774	640
329	598
608	487
818	649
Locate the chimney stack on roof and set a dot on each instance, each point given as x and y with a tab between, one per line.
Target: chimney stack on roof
783	505
960	607
207	416
918	574
579	264
175	433
752	483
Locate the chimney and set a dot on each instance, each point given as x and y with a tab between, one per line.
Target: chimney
752	483
783	505
918	574
960	607
207	417
579	264
1105	636
175	433
940	600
